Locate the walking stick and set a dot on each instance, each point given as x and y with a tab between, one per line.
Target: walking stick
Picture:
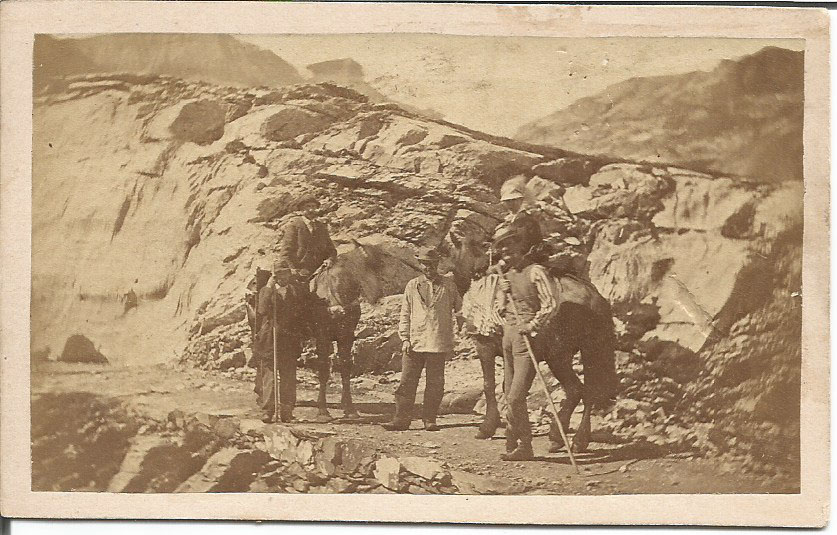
529	350
275	367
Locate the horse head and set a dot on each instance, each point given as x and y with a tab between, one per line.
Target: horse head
364	264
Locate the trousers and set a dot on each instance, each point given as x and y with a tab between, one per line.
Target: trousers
288	351
412	362
519	372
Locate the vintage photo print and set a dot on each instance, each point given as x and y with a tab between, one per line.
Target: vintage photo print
468	263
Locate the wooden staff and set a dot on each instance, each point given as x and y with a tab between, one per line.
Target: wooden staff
275	367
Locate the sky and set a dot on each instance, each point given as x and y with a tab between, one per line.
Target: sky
497	84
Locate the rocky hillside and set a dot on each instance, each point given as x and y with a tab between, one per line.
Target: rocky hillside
215	58
743	118
175	191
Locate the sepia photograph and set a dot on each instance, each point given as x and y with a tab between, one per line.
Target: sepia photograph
417	264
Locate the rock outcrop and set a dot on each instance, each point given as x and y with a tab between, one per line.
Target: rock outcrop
101	446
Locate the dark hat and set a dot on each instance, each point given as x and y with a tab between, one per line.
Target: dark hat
302	200
428	254
281	266
504	233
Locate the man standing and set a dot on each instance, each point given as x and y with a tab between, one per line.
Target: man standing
426	327
305	244
278	304
527	304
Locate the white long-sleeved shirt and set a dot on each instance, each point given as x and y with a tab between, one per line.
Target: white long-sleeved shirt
428	311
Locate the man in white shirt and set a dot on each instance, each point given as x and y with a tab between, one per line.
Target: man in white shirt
426	327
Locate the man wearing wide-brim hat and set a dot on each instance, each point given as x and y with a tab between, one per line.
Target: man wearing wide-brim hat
426	327
305	244
279	302
521	215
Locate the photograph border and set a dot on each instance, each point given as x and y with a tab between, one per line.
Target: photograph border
20	21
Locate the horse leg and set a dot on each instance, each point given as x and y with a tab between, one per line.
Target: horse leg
582	437
486	351
324	350
600	380
561	366
344	353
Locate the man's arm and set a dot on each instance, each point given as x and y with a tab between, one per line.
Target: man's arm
404	319
456	302
548	302
289	244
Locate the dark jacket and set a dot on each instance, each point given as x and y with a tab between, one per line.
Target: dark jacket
304	249
285	300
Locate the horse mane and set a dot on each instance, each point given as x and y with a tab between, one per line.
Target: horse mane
342	283
336	285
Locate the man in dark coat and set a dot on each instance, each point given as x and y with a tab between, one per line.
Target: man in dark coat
305	244
278	305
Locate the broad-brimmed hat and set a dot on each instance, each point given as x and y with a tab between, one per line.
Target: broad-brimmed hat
512	189
428	254
302	200
505	233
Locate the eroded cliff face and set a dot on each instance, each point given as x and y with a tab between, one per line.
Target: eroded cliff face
176	191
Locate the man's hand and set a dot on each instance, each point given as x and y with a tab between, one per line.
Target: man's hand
529	329
405	347
328	262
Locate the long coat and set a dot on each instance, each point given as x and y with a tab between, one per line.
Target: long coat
304	249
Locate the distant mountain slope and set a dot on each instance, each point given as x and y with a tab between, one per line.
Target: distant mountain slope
743	118
347	72
55	58
214	58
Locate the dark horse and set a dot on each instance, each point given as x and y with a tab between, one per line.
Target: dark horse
334	314
583	324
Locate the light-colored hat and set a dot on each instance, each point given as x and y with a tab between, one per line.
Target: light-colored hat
511	189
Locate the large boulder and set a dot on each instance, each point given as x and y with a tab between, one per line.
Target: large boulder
200	122
79	348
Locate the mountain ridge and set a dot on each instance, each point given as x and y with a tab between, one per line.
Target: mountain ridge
743	118
213	58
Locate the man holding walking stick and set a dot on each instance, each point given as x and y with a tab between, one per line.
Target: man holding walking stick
278	345
526	304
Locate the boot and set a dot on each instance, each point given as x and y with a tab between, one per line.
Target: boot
267	417
523	452
401	419
286	415
430	425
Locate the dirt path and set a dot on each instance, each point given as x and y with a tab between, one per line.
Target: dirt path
608	468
